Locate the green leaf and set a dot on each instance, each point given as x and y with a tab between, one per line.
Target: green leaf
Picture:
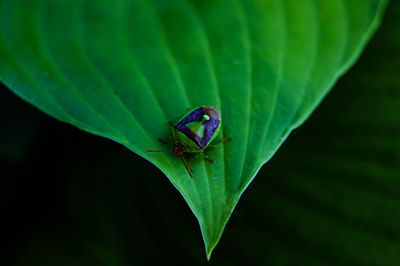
123	69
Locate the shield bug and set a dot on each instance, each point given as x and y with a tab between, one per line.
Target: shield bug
194	132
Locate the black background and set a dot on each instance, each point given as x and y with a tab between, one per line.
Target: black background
71	198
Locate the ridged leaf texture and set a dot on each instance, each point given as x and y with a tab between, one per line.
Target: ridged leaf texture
124	69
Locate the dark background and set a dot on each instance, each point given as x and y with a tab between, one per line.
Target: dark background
330	196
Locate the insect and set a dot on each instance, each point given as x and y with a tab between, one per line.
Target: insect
194	132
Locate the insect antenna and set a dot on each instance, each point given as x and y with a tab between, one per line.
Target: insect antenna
187	168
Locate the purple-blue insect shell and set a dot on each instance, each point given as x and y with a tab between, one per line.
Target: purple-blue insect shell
197	129
194	132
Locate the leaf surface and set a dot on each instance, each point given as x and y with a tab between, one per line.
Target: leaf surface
124	69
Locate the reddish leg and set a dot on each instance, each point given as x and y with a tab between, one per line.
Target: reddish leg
190	167
218	141
208	159
187	166
162	140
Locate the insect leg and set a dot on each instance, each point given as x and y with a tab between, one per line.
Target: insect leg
187	166
219	141
162	140
207	158
223	140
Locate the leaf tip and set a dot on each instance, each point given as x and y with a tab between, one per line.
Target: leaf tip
209	255
209	251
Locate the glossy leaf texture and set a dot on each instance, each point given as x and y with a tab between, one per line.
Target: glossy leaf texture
124	69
